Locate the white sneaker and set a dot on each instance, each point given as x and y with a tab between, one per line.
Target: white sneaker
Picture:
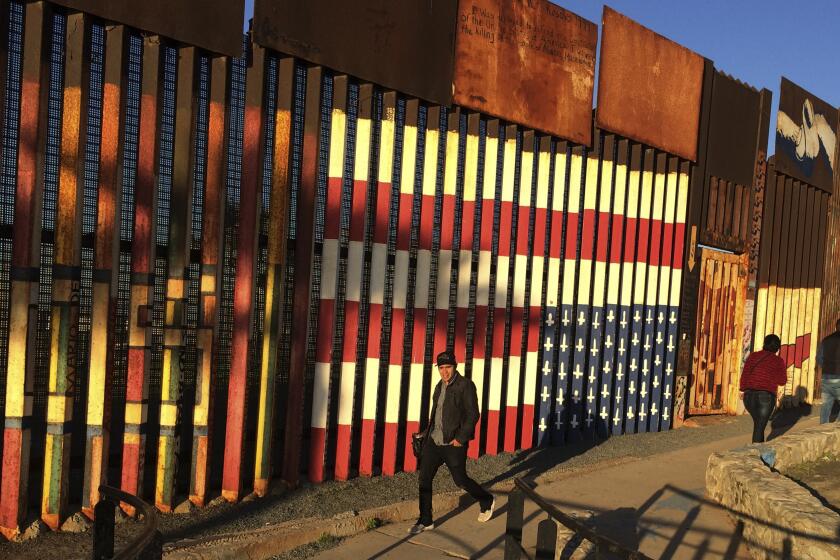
485	515
418	528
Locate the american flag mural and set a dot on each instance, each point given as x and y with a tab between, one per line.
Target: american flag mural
219	271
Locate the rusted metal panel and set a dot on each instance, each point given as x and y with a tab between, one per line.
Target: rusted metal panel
531	63
736	110
806	137
649	87
406	46
215	25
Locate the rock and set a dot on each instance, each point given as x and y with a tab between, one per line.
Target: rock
185	507
250	497
217	501
34	531
76	523
120	516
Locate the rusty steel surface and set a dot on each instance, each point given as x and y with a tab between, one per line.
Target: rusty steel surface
736	111
649	87
531	63
214	25
806	137
407	46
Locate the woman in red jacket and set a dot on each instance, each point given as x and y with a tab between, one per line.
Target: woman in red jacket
763	372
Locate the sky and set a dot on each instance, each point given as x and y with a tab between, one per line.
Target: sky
756	41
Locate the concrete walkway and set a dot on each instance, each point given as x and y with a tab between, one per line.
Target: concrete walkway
632	500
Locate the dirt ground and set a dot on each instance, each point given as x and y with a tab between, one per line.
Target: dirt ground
822	478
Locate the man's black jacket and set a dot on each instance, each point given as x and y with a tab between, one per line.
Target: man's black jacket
460	409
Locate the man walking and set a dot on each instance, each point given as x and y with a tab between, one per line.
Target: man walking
828	358
454	414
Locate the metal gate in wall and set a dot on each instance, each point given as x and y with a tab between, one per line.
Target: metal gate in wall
720	324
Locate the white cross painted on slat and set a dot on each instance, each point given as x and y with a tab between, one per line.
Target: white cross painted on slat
605	392
579	346
670	346
623	322
621	348
559	398
629	412
617	418
549	320
561	372
659	339
563	345
546	368
654	410
608	343
581	318
617	398
620	373
576	396
604	414
644	391
590	397
661	318
558	423
592	374
668	368
657	361
673	318
645	369
548	345
633	366
574	422
610	316
542	425
594	350
655	381
632	388
607	369
545	394
667	392
649	319
635	340
596	323
665	413
566	318
642	413
589	420
637	317
647	342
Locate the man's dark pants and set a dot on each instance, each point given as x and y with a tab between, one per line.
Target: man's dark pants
455	458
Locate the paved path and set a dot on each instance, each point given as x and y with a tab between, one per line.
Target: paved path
630	500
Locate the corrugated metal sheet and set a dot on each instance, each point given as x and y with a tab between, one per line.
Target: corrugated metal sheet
649	87
790	276
407	46
527	62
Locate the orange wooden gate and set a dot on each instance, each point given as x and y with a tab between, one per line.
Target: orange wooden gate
720	326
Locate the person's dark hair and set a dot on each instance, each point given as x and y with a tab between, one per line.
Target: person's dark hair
772	343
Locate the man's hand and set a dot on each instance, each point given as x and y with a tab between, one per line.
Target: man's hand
456	443
741	395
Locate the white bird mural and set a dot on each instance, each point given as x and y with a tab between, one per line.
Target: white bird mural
808	136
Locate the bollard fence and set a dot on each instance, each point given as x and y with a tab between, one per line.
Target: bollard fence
605	547
147	546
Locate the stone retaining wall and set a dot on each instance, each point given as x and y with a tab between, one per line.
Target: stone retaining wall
749	481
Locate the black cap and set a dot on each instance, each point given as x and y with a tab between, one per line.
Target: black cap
446	358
